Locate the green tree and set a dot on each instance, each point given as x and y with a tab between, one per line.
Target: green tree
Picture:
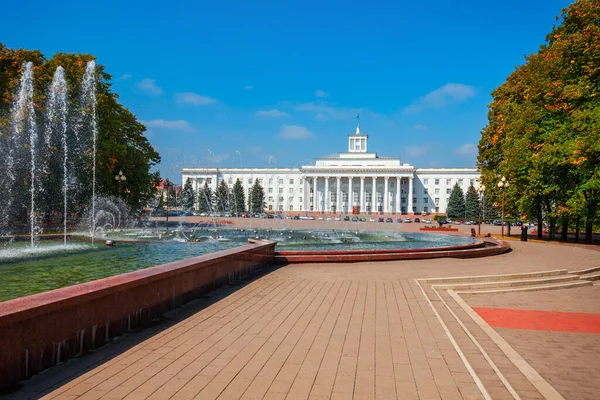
205	198
121	144
239	197
257	198
543	132
170	195
456	204
188	196
488	211
472	203
222	197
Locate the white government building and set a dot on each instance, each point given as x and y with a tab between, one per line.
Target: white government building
357	181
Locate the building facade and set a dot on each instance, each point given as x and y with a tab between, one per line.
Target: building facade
356	181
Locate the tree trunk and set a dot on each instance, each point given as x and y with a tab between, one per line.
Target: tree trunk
577	222
564	231
551	220
540	228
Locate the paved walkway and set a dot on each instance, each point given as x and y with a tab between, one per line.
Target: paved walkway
344	331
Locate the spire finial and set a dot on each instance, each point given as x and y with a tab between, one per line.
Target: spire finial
358	124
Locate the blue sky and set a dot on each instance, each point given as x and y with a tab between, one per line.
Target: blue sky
256	84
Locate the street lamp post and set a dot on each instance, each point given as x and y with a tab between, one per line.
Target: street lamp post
481	190
120	177
503	185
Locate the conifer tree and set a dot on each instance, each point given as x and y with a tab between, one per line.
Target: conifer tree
456	204
188	197
222	197
258	198
238	197
472	203
205	198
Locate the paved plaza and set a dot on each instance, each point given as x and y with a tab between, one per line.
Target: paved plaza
357	331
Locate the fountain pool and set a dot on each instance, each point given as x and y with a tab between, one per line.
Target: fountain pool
51	264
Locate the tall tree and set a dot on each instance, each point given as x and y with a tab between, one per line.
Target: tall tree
472	203
222	197
488	211
544	127
205	198
258	198
121	144
456	204
188	196
239	197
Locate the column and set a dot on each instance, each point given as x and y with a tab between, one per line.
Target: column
326	196
386	194
338	192
410	194
374	195
314	193
350	197
362	194
398	209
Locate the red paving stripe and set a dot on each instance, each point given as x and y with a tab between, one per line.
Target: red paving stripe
541	320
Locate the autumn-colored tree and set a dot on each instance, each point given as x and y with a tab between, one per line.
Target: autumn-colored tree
544	127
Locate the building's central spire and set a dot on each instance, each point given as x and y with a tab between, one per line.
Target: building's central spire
358	124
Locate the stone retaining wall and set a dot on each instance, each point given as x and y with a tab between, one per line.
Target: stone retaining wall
42	330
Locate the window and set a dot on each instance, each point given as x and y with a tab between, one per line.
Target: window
437	191
472	181
230	181
280	198
345	196
291	200
334	196
291	181
291	190
209	180
355	197
448	191
201	180
403	181
425	200
270	190
414	200
437	201
249	181
404	200
301	181
271	198
270	207
425	209
447	200
281	181
291	207
379	197
437	181
368	196
300	207
300	190
301	201
448	181
391	185
260	181
270	181
280	190
427	190
460	181
425	181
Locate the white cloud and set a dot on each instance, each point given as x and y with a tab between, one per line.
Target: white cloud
194	98
294	132
248	87
416	151
441	97
126	76
321	93
420	127
468	149
178	124
148	86
274	113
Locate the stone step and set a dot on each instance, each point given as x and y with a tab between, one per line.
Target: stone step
510	283
585	271
566	285
488	278
594	276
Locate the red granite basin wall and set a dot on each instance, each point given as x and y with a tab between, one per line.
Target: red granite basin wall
42	330
478	249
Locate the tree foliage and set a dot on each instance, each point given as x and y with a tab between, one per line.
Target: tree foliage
205	198
121	144
188	196
222	197
456	204
257	198
472	203
543	132
239	197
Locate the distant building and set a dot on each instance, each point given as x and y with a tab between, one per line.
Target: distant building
356	181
